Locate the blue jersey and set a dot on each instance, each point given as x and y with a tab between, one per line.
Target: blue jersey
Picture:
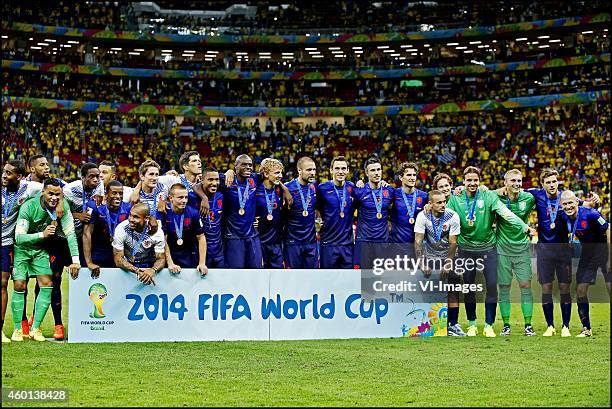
191	228
300	228
239	226
212	224
402	231
545	233
269	230
336	230
369	227
589	226
105	222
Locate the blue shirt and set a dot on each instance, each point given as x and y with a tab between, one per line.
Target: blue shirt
300	229
369	227
239	226
105	222
212	224
336	230
192	227
269	230
545	233
590	226
402	231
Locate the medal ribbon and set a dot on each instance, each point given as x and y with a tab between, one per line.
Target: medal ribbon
411	208
553	215
472	207
307	200
342	201
437	233
270	200
179	230
140	240
573	236
378	200
242	197
9	207
112	222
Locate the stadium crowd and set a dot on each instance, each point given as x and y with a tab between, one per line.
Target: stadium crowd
271	17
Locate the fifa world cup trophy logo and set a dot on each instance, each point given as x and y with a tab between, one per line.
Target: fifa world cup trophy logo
97	295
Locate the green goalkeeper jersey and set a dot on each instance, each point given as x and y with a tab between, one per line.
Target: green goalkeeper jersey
511	240
32	221
481	236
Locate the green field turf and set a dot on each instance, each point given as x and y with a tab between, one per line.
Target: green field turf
515	371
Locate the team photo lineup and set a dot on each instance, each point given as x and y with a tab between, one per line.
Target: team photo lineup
169	145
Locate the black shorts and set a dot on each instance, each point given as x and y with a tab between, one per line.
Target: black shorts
554	260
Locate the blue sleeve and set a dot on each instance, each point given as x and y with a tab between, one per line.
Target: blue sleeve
91	204
195	217
596	219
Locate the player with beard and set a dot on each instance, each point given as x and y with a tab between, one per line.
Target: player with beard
15	191
300	244
335	203
476	209
135	249
212	222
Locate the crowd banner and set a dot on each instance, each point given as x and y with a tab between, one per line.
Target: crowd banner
239	305
472	69
262	39
28	103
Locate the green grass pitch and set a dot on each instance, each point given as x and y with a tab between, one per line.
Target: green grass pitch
514	371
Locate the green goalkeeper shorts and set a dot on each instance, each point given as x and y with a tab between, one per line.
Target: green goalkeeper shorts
31	263
520	265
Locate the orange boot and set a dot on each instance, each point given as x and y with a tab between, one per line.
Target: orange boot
59	332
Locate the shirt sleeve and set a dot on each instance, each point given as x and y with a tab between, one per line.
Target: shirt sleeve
452	204
160	241
420	223
119	239
68	228
168	180
21	229
598	220
455	225
33	189
127	192
99	190
498	207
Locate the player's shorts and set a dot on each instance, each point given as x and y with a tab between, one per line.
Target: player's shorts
58	253
30	263
519	265
593	257
272	255
337	256
243	253
554	260
215	261
301	255
7	258
186	259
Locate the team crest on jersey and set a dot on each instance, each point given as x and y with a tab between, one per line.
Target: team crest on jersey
187	222
147	243
444	227
584	224
251	182
219	204
350	189
419	200
480	203
385	193
522	205
21	200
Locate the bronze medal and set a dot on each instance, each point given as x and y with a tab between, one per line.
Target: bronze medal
552	226
341	214
379	215
179	242
53	222
241	211
470	222
5	220
411	221
305	213
270	217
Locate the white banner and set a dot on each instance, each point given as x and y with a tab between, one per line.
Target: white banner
239	305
